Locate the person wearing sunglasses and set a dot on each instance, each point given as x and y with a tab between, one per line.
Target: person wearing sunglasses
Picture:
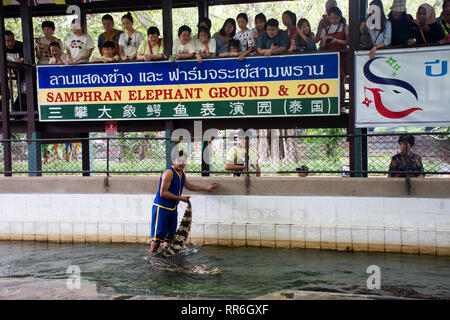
130	40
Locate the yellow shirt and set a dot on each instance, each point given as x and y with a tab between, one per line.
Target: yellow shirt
145	49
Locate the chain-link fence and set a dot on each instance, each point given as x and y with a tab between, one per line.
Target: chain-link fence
264	152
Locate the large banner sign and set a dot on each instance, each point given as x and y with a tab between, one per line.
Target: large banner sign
302	85
403	87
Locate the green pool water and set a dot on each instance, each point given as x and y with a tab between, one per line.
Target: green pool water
246	272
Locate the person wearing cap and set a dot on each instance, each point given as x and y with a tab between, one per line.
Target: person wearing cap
402	24
169	194
302	171
406	160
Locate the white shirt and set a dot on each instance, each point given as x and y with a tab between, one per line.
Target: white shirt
130	47
333	29
53	60
178	48
200	47
246	39
78	46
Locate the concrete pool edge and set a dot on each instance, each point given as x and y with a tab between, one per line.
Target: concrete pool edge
343	214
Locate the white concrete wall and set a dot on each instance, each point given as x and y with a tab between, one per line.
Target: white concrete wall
409	225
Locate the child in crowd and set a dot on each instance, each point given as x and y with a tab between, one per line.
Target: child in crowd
245	36
79	46
153	49
260	26
57	56
183	47
108	53
223	37
43	43
303	40
205	46
233	49
130	40
111	34
289	20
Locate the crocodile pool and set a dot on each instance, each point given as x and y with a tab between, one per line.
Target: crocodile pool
246	272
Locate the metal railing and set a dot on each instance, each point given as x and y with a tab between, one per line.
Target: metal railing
269	152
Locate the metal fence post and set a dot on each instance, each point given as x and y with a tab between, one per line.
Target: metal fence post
107	156
34	155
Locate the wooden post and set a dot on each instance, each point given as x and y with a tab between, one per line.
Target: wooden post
6	132
86	155
203	8
34	148
167	26
169	144
354	10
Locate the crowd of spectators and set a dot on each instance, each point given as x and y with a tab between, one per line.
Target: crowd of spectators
237	39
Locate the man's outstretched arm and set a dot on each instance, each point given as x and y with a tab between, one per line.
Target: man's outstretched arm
194	187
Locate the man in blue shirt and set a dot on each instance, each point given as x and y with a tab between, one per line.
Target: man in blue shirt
273	41
164	211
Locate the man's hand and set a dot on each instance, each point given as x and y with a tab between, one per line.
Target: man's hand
212	187
185	199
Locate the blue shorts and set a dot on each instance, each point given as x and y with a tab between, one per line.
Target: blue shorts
164	224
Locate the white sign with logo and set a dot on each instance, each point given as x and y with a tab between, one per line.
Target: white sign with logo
403	88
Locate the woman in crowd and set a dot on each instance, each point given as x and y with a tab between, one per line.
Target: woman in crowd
426	30
303	40
379	37
43	43
335	36
444	19
183	47
130	40
260	26
325	21
205	46
245	36
153	49
223	37
401	23
79	46
289	20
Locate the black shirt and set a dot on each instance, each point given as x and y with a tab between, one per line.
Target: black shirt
15	53
431	36
402	31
